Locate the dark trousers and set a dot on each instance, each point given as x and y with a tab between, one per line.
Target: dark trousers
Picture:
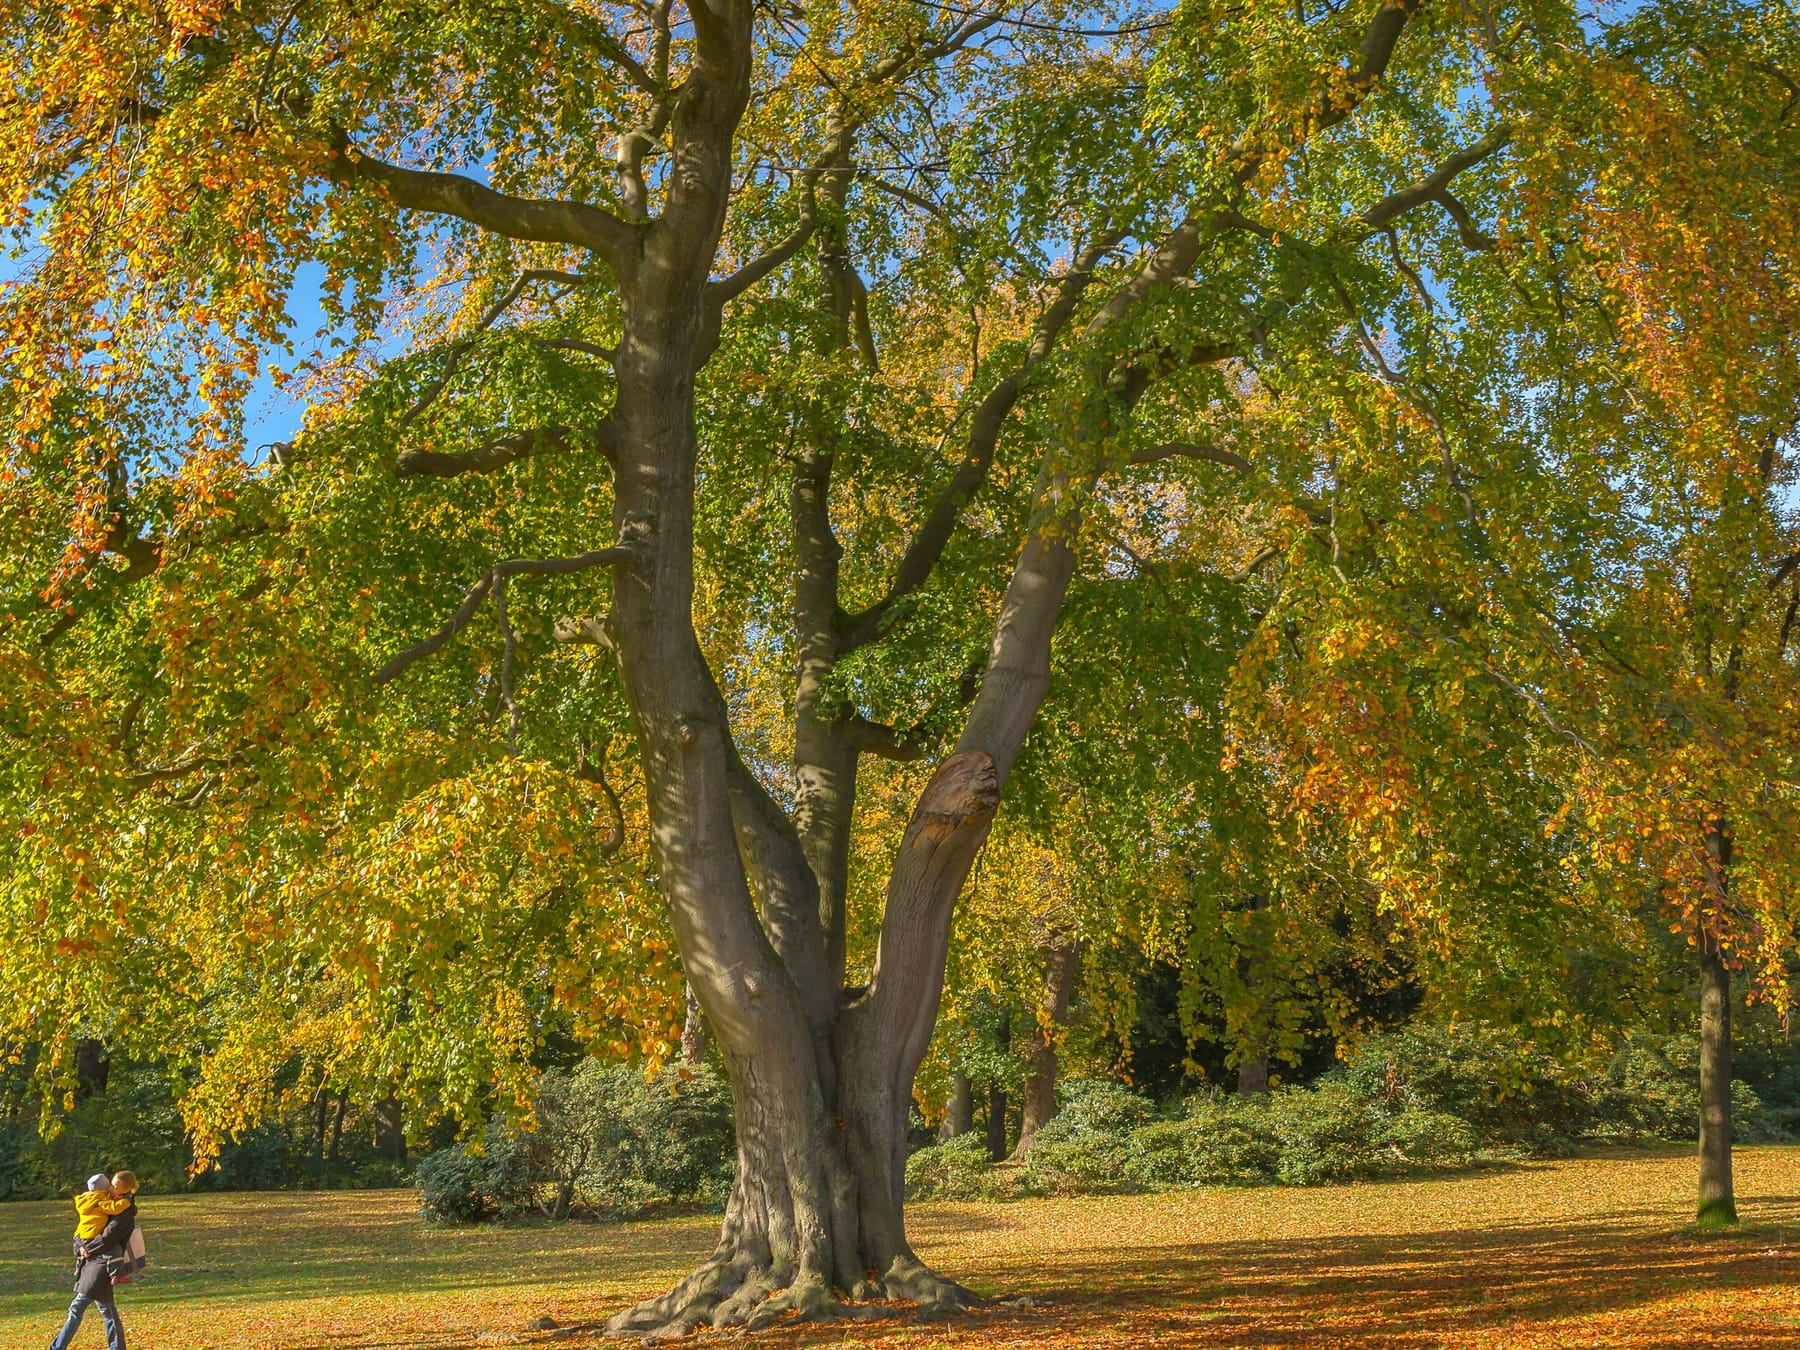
109	1313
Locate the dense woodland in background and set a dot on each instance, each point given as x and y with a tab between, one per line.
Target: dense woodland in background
905	546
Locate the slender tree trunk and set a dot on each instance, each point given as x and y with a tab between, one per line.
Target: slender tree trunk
996	1122
322	1105
91	1069
337	1123
1062	959
959	1111
1718	1205
693	1030
390	1131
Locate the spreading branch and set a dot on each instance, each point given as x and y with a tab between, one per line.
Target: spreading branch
1434	187
934	533
535	219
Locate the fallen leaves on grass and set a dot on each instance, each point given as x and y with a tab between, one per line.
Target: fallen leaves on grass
1591	1252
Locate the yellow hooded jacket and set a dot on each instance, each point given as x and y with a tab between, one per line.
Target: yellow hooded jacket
93	1209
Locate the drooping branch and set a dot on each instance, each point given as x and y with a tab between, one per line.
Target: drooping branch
591	770
484	587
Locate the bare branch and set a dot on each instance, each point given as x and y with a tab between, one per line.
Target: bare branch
878	738
1184	450
1434	184
729	288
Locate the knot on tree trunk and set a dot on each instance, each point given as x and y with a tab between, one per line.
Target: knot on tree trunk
965	790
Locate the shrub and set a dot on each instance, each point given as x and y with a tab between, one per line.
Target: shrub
956	1169
1330	1133
1430	1139
1085	1164
623	1143
464	1184
1092	1107
1507	1090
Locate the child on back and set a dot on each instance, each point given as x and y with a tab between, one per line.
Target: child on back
98	1204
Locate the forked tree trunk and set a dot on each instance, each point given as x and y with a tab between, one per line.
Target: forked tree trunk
1718	1205
1062	959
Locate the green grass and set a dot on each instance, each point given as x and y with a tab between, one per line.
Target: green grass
1594	1251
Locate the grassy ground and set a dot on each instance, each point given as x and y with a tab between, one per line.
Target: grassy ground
1583	1253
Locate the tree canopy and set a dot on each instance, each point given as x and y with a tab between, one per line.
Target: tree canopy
1370	428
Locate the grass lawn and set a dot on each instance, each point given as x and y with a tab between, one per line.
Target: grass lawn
1592	1252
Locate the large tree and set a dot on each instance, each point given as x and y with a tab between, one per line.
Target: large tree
674	302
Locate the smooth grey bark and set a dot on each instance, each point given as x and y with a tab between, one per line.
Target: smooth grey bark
1718	1204
390	1133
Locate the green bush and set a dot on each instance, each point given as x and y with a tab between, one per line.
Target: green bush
1089	1162
466	1184
605	1140
1228	1143
1329	1133
1509	1092
956	1169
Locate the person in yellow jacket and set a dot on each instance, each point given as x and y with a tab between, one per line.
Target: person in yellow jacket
96	1206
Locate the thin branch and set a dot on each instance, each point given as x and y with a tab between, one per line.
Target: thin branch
594	771
484	587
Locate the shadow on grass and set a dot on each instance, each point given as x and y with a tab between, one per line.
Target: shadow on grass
1434	1287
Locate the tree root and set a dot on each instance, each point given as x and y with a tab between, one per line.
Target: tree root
725	1293
686	1307
911	1280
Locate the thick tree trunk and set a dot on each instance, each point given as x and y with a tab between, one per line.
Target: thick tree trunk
959	1110
1718	1205
1061	960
